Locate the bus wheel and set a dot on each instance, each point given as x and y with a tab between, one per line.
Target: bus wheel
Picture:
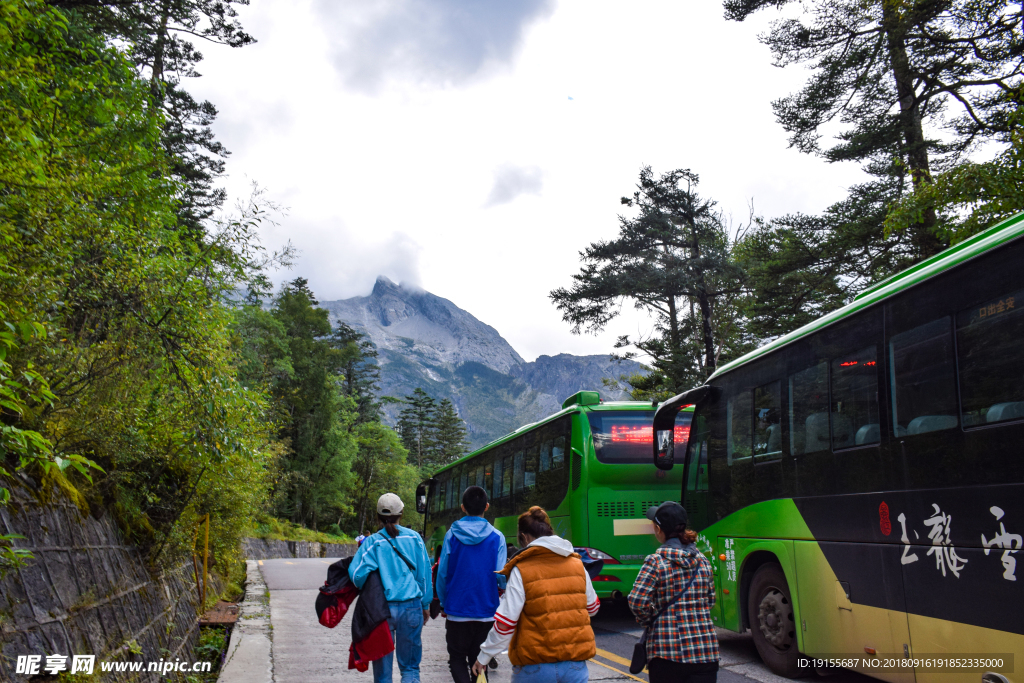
772	621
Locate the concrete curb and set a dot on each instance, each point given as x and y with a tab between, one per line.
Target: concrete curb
249	658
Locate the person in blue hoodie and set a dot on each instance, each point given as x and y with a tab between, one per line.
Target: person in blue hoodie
401	558
467	584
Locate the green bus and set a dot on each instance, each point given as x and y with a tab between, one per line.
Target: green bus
859	483
588	465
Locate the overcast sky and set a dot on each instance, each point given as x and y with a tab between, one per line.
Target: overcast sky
474	147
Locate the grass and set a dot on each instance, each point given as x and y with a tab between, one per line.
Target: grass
274	529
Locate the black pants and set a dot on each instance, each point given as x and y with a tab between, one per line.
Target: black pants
666	671
464	639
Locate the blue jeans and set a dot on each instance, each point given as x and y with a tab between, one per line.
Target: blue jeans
406	624
555	672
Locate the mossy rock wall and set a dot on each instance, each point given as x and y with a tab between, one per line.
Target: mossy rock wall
87	591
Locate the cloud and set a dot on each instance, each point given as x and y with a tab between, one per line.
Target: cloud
438	42
511	181
340	263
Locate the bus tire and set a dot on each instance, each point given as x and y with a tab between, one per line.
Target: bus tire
772	621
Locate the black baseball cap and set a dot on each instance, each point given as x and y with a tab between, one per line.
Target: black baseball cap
670	515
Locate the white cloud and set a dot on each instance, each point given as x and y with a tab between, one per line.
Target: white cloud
511	181
393	171
439	42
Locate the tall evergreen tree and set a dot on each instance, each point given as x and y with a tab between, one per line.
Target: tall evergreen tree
319	417
450	436
361	374
916	86
417	423
673	259
158	36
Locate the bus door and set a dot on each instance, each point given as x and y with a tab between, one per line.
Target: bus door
695	498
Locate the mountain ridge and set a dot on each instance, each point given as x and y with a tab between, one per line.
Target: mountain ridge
427	341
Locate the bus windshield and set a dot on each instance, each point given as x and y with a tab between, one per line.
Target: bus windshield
625	437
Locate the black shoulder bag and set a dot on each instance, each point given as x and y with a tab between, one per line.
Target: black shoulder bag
639	661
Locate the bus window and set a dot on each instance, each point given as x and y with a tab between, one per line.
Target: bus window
488	468
441	499
923	382
506	476
496	489
466	472
988	337
623	437
518	470
808	410
454	492
768	421
558	453
530	467
855	399
738	439
478	476
545	455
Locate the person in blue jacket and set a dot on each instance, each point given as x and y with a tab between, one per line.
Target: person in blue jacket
467	585
401	558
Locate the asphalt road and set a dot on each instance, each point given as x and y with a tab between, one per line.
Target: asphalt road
305	651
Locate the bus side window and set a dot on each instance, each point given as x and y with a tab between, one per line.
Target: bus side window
488	474
530	468
739	413
496	489
768	420
453	488
518	471
441	499
923	379
545	454
988	337
855	399
506	476
808	410
558	453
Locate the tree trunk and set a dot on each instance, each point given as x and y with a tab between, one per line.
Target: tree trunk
156	83
911	127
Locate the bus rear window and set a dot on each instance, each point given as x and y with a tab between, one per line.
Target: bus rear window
626	437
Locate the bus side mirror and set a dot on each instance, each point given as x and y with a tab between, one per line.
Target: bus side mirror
665	424
664	454
421	497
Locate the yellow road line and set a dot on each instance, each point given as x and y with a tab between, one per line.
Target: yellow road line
607	666
614	657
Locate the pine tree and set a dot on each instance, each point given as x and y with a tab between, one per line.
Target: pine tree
673	260
916	86
361	374
158	37
450	435
417	425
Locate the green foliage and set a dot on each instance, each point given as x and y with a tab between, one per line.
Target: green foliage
137	349
380	467
275	529
915	87
673	260
432	432
449	434
972	195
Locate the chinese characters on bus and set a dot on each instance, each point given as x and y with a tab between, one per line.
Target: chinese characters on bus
944	552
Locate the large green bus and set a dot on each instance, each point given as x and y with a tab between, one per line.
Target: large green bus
859	482
588	465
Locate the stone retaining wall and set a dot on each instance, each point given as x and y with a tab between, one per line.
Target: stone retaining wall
88	592
262	549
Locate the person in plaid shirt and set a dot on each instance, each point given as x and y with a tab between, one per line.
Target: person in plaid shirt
682	645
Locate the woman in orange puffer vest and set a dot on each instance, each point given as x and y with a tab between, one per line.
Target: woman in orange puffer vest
544	617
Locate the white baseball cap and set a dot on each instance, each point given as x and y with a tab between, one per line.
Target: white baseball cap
390	504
